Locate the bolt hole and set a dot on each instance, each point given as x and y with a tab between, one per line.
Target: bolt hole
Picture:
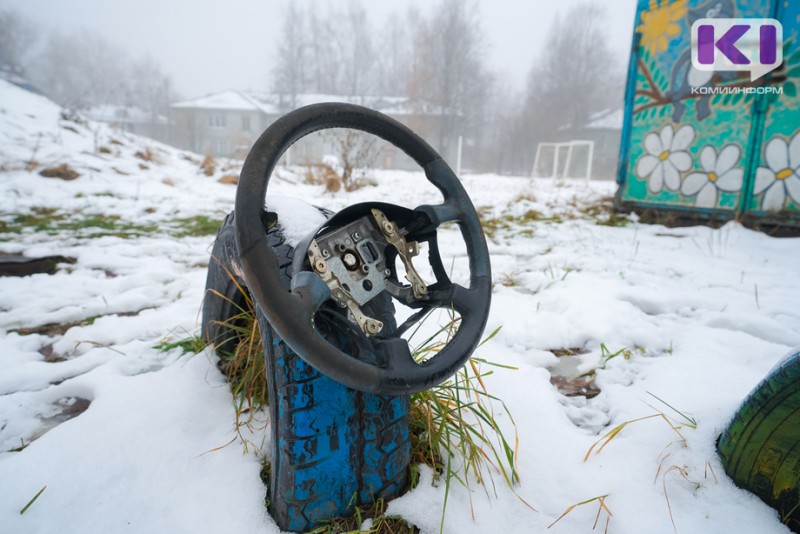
367	285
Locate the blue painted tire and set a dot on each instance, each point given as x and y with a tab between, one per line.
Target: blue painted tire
760	446
331	446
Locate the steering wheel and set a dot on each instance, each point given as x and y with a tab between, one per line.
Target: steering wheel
393	231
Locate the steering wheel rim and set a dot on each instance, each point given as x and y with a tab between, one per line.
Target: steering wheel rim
291	314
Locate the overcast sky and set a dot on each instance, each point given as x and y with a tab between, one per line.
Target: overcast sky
213	45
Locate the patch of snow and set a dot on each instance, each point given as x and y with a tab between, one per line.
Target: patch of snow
297	218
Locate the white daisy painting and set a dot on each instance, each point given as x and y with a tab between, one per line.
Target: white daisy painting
719	173
666	158
780	179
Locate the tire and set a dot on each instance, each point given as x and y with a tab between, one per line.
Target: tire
223	298
331	446
760	447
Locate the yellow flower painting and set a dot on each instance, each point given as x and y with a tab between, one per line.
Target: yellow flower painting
661	23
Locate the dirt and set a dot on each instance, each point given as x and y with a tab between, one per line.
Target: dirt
574	387
15	265
63	172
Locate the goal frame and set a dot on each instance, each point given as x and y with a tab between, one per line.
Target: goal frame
569	145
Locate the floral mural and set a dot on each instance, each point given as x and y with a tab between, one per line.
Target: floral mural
719	173
666	158
661	23
781	176
731	153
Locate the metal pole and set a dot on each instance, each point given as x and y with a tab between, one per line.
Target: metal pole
458	156
589	163
536	159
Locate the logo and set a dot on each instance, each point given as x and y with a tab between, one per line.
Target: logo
754	45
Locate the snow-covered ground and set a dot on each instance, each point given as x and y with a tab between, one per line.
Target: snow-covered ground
127	438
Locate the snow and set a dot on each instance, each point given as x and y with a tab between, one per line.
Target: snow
610	119
704	312
298	218
276	104
227	100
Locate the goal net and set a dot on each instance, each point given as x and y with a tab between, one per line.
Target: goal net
570	159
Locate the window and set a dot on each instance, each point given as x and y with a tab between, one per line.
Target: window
216	120
246	123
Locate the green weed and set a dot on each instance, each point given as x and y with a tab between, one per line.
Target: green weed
53	221
375	516
193	344
25	509
196	226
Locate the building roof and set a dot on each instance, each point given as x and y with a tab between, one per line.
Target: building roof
123	115
609	119
231	100
277	104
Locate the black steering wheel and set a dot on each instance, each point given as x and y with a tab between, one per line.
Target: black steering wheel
393	370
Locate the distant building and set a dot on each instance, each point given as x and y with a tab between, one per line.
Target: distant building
605	129
133	120
227	124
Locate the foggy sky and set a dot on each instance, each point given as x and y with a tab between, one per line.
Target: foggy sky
212	45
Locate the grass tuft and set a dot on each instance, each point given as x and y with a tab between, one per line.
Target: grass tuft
602	507
454	425
367	519
192	344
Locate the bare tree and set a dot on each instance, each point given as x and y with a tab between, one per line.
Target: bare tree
17	38
575	77
290	69
356	50
81	69
323	59
326	51
149	88
394	57
448	70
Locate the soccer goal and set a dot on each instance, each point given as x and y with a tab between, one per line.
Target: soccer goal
549	156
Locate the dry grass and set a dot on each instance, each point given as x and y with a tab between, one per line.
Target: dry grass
229	179
601	507
209	165
372	518
63	172
148	154
453	426
664	470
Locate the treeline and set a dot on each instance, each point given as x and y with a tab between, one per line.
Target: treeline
439	60
81	69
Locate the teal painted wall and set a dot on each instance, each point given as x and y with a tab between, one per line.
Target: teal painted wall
727	156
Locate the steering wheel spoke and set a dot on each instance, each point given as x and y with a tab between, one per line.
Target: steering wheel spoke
310	291
441	213
456	297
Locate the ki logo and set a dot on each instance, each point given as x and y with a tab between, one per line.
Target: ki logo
742	44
